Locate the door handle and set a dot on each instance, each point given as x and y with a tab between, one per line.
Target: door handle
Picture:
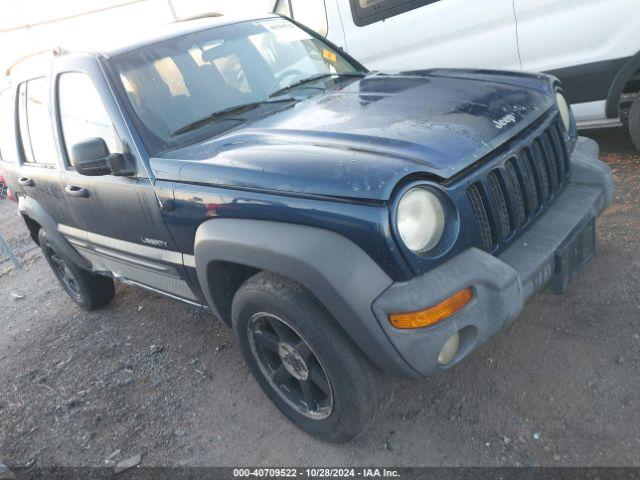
26	182
74	191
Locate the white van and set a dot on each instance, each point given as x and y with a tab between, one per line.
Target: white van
592	46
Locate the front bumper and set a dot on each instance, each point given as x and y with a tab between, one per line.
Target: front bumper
501	284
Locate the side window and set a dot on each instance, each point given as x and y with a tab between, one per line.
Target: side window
24	124
312	14
39	125
7	133
34	120
366	12
82	113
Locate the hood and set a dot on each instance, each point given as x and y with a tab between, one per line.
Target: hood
359	140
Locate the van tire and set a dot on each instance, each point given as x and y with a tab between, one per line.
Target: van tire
90	291
357	393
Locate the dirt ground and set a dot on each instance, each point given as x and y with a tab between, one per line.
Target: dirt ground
152	377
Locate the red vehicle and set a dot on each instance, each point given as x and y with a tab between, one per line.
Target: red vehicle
4	191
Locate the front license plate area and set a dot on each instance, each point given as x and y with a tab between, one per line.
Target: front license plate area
573	254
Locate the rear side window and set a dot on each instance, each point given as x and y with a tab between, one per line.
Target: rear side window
43	145
366	12
24	124
36	127
82	113
7	132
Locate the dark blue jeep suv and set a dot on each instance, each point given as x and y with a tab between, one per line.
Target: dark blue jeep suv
348	225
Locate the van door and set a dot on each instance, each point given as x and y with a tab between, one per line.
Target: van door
584	44
423	34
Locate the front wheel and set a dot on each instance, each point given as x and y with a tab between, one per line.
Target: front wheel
88	290
304	363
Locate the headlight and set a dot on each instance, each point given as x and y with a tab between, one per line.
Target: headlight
420	218
565	110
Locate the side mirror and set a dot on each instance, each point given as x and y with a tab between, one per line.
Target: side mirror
92	158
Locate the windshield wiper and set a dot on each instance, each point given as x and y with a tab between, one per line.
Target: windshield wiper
234	110
313	78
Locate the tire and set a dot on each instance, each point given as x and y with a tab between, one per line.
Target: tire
289	343
88	290
634	122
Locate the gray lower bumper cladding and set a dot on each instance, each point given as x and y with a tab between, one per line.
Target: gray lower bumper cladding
501	284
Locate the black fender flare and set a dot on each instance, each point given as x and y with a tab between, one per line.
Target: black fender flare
617	87
29	207
341	276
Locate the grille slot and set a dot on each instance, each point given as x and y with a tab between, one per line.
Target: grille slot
541	172
501	214
518	215
550	159
478	205
529	183
516	192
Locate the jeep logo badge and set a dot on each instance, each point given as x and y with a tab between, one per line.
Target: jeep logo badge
504	121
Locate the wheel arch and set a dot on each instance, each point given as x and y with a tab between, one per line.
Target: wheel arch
625	76
340	275
36	217
223	281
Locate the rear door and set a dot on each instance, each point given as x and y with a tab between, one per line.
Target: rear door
115	222
37	154
9	165
421	34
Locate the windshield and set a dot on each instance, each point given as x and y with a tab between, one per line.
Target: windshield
176	87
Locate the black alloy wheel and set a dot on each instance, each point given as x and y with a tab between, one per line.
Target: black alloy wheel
290	365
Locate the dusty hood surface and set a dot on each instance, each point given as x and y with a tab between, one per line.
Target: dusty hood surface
361	139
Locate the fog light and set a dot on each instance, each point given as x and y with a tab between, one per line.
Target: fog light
449	350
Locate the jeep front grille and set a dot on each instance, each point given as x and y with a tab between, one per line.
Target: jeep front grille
514	194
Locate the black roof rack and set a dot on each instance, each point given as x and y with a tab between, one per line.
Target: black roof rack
200	16
56	52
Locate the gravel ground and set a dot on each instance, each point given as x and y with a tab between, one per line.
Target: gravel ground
151	377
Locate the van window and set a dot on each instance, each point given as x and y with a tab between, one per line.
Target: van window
366	12
7	133
34	122
312	14
82	113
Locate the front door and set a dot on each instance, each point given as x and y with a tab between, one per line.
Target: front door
115	222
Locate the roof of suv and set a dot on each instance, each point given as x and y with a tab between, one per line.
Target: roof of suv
138	40
175	29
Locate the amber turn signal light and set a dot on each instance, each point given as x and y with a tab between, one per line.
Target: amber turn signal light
432	315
